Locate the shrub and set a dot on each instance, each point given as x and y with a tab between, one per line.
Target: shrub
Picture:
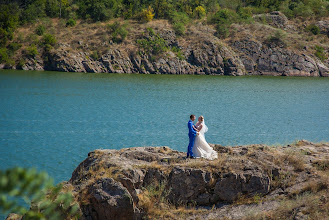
32	51
313	29
199	12
222	31
95	55
147	14
71	23
319	52
9	15
13	46
244	13
224	16
178	52
3	55
152	43
118	31
179	17
179	28
40	30
49	39
20	63
278	39
49	202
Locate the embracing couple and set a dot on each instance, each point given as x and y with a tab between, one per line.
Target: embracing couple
198	146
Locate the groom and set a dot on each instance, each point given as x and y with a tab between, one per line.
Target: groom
191	134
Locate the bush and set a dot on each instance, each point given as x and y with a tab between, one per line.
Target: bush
179	17
278	39
32	51
152	43
224	16
199	12
49	39
13	46
313	29
40	30
71	23
222	31
179	28
319	52
147	14
3	55
95	55
20	63
178	53
118	32
49	202
9	15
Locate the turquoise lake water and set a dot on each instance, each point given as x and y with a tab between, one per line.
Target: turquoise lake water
51	120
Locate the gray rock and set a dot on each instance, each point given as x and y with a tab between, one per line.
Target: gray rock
275	18
324	26
109	200
189	185
232	185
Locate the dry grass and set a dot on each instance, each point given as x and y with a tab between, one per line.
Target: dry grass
314	205
291	158
153	201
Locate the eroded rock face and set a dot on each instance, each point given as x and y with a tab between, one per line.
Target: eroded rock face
259	58
274	18
109	200
189	185
324	26
231	185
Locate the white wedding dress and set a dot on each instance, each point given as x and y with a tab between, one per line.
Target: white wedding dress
201	148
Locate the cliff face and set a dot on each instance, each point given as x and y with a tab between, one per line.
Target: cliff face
157	182
272	45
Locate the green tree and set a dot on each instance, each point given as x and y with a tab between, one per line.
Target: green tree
147	14
9	17
118	31
200	12
152	43
48	202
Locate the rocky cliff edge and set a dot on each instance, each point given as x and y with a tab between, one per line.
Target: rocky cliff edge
244	182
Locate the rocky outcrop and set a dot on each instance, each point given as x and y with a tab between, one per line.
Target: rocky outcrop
209	56
260	59
324	26
274	18
109	199
115	183
199	51
243	182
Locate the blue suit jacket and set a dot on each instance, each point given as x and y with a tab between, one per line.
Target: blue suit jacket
191	130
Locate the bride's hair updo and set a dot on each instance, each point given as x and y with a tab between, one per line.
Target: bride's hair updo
201	117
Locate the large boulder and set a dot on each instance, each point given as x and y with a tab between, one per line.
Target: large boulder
189	185
109	199
274	18
231	185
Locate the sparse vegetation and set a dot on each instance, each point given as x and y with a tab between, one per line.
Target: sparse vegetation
319	52
313	29
40	30
71	22
118	31
32	51
152	43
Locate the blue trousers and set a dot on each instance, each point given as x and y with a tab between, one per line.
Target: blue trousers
190	145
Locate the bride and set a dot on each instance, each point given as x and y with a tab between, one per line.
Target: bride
201	148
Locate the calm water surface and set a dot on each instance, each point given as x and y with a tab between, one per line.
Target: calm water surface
51	120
